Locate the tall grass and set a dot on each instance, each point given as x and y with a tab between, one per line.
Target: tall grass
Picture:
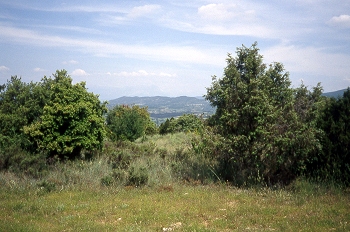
159	184
152	161
157	160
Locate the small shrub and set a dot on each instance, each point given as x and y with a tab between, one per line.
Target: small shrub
129	123
47	186
107	180
121	159
138	175
119	175
116	177
162	152
19	161
193	167
184	123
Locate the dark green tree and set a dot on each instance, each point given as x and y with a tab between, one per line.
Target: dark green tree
255	112
20	104
333	163
72	119
129	123
12	110
14	114
164	128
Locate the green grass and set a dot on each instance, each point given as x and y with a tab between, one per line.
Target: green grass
179	207
169	142
97	195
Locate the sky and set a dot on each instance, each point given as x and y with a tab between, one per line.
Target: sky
171	48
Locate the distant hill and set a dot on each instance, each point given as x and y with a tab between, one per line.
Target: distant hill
167	107
335	94
161	108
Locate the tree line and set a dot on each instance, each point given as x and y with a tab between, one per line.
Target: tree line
263	130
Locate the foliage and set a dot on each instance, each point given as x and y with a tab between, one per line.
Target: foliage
263	131
268	127
15	159
72	119
333	163
184	123
151	128
138	174
157	160
20	105
129	123
46	186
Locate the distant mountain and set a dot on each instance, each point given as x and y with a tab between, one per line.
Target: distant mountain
167	107
335	94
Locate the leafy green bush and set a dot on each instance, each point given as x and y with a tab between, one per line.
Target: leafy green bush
138	174
47	186
129	123
52	115
72	119
20	105
16	160
184	123
107	180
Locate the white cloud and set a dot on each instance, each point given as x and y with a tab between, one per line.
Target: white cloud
4	68
100	48
145	10
67	8
70	62
311	60
79	72
73	62
222	19
162	74
108	20
216	12
342	21
38	70
142	73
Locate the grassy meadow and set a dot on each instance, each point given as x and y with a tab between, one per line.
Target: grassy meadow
157	184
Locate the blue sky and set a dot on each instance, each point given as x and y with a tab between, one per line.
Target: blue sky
171	48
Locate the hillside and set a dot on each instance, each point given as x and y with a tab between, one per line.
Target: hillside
161	107
335	94
167	107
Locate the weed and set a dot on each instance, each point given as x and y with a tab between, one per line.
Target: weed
107	180
138	174
46	186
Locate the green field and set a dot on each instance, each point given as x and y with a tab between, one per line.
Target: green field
97	195
180	207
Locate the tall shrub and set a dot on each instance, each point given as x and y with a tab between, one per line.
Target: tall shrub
72	119
333	163
266	138
129	123
184	123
